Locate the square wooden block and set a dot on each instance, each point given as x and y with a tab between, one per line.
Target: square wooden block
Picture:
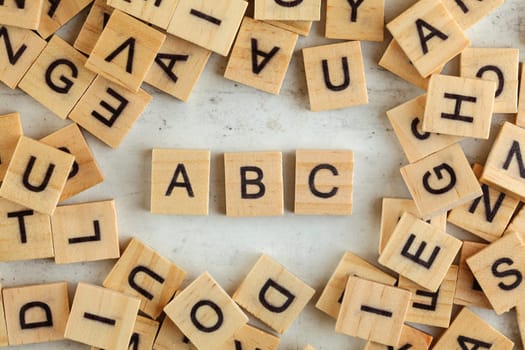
469	331
494	268
350	265
158	13
300	27
420	252
180	182
125	50
441	181
143	273
487	216
101	317
335	76
143	335
391	212
36	314
304	10
520	117
25	234
25	47
93	26
324	182
24	14
109	111
469	12
498	65
431	308
429	35
3	327
10	133
411	338
261	55
85	232
249	337
504	169
373	311
406	120
205	313
355	20
85	172
58	78
212	25
273	294
177	67
254	184
36	175
468	290
57	13
171	338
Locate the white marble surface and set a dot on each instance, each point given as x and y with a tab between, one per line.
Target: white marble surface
223	116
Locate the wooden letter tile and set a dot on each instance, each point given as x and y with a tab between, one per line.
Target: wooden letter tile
36	175
3	327
468	290
469	12
355	20
335	76
304	10
261	55
109	111
205	313
273	294
428	35
85	172
93	26
156	12
350	265
468	331
420	252
212	25
520	118
487	216
24	14
177	67
58	78
300	27
373	311
441	181
254	184
125	50
57	13
517	224
143	334
143	273
180	182
101	317
85	232
324	182
25	46
10	133
431	308
249	337
411	338
406	120
171	338
497	269
36	314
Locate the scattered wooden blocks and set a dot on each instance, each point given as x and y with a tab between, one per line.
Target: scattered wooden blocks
22	47
426	265
496	268
3	327
93	26
36	175
468	290
180	182
248	337
85	232
177	67
441	181
57	13
273	294
469	12
487	216
468	331
355	20
431	308
101	317
520	117
143	334
254	184
303	10
350	265
205	313
372	311
212	25
143	273
261	55
324	182
10	133
406	120
300	27
429	35
171	338
36	314
109	111
158	13
23	14
335	76
58	78
125	50
411	338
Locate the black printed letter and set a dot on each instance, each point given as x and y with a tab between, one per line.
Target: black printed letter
130	45
490	213
168	68
254	182
198	324
84	239
478	344
346	73
21	4
354	5
21	222
415	131
423	39
48	322
311	181
115	112
180	170
439	173
285	292
147	271
292	3
12	56
64	89
457	109
267	56
53	7
515	150
433	300
417	256
74	167
43	185
499	74
506	273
